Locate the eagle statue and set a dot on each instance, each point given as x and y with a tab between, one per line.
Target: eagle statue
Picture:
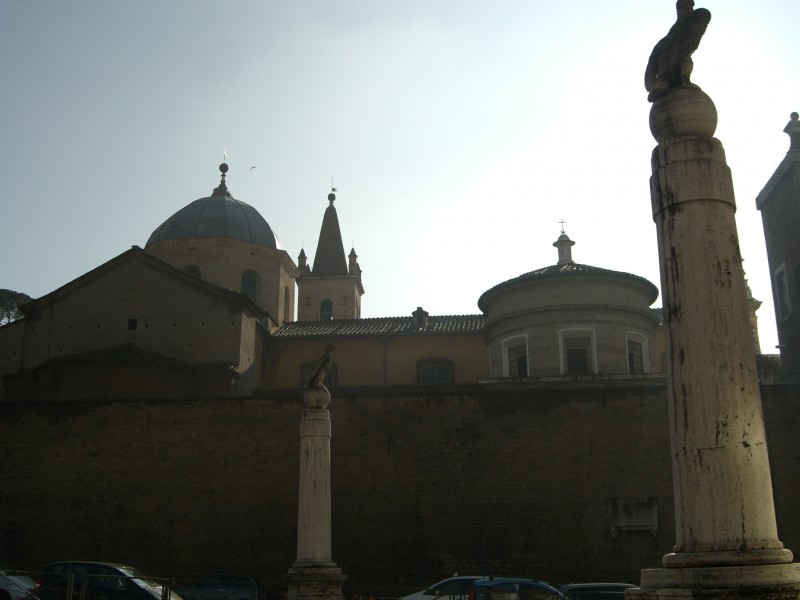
320	368
670	63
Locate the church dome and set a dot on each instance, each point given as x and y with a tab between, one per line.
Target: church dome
217	216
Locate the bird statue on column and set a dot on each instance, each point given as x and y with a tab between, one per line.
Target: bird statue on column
670	64
321	367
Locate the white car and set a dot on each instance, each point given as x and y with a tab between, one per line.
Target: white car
452	588
14	585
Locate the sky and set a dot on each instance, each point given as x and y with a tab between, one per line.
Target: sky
459	133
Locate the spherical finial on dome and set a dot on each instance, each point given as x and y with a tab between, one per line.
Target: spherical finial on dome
331	197
222	189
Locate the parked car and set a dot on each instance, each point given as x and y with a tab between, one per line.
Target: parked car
14	585
514	588
223	586
596	591
452	588
85	580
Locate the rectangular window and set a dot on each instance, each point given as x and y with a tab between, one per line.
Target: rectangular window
517	361
635	357
435	372
578	355
133	324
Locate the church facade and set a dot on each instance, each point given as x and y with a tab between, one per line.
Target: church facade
151	409
210	301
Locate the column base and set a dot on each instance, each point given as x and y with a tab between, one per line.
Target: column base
773	582
728	558
315	581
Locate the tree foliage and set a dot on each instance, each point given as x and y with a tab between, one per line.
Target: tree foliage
9	305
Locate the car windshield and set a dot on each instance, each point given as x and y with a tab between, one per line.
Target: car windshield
140	578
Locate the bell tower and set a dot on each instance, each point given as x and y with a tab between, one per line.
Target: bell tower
330	288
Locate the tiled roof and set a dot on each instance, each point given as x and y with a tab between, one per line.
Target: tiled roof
382	326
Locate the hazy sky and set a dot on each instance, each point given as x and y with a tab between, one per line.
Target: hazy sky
459	133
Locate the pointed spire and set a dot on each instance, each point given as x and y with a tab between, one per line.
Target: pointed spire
222	189
301	259
352	263
564	245
329	259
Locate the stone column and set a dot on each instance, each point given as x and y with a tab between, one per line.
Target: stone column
314	574
726	535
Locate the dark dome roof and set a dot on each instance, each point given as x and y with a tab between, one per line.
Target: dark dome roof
218	216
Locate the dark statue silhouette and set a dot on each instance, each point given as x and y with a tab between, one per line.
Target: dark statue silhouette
670	63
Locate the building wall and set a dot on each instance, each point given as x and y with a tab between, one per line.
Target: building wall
222	262
780	214
185	324
492	480
11	336
539	312
374	360
193	335
422	485
99	378
342	291
609	327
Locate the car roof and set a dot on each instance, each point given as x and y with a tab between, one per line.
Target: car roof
492	580
111	565
598	586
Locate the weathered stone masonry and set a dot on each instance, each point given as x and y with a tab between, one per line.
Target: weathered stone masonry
469	479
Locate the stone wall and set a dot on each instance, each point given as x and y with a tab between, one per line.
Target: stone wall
471	479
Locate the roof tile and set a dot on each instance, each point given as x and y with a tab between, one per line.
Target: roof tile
382	326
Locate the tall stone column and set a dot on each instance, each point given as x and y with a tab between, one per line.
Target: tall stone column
726	535
314	574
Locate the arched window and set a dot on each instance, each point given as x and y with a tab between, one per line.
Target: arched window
287	305
435	371
326	310
250	284
193	270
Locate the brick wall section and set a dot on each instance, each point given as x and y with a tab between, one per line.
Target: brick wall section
471	479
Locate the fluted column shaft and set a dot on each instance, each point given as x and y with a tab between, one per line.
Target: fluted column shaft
724	508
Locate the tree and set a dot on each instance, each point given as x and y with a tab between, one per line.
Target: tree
9	305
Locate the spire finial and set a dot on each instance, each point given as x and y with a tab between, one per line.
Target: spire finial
332	196
564	245
793	130
222	189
